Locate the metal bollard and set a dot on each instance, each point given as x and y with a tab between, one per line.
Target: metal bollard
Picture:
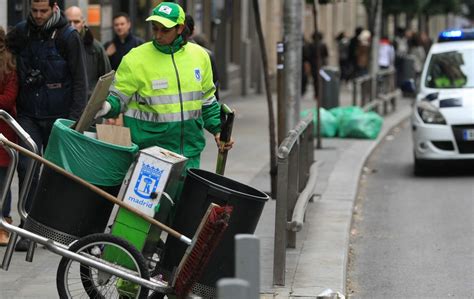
232	288
330	294
247	262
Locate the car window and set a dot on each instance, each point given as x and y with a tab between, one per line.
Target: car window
453	69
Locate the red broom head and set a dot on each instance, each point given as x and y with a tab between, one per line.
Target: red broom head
197	255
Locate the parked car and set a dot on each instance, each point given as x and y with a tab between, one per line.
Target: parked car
443	115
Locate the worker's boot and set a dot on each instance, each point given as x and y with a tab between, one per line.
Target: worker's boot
5	235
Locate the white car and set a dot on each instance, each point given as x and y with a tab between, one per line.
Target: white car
443	115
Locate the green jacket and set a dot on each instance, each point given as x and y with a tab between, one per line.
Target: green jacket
161	109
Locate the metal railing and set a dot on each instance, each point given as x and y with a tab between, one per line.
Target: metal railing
386	90
296	180
362	91
384	94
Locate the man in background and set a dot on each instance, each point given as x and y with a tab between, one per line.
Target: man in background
52	79
97	62
123	40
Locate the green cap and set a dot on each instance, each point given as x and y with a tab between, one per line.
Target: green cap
167	13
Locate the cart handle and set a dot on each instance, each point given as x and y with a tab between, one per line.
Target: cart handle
95	189
20	132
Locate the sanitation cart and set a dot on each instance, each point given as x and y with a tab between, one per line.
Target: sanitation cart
96	265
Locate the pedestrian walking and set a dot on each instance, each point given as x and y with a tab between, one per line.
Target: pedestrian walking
97	61
167	106
343	55
314	53
363	53
123	40
352	59
305	65
426	41
386	57
8	93
402	36
417	52
52	79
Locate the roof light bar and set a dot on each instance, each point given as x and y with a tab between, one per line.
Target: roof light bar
456	35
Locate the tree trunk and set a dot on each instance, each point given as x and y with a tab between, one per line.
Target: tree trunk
271	116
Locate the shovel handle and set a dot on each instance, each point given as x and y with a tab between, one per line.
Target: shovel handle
227	122
95	189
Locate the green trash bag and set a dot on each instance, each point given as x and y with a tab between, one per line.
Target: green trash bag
345	111
329	123
97	162
366	125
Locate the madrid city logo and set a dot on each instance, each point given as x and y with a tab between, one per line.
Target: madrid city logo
197	74
147	181
166	9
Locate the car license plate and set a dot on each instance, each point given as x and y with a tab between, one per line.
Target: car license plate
468	134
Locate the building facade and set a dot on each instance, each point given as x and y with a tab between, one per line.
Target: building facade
229	26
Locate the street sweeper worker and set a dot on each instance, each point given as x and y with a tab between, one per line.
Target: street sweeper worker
165	91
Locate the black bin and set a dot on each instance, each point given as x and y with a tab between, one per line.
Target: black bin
64	210
202	188
330	83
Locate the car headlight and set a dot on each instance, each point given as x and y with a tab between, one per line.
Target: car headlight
429	113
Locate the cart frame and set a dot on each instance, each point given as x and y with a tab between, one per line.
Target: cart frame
51	245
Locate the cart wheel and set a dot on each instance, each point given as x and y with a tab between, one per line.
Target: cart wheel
76	280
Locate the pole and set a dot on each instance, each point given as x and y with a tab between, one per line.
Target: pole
375	46
293	40
281	92
317	83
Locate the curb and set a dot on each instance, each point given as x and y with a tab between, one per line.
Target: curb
390	123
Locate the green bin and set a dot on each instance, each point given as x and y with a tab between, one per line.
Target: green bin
64	210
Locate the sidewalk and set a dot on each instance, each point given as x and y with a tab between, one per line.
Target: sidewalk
319	260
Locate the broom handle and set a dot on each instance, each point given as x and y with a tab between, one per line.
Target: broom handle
95	189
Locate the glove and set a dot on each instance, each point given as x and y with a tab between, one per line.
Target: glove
104	110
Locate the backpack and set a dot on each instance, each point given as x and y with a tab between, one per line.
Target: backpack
60	37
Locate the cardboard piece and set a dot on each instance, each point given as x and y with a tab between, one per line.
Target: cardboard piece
98	97
114	134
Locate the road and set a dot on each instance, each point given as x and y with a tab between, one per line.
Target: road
412	237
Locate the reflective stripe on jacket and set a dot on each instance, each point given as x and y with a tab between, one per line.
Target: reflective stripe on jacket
146	89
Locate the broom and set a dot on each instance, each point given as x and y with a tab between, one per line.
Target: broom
205	240
207	236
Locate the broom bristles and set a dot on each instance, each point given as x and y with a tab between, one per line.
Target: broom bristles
206	239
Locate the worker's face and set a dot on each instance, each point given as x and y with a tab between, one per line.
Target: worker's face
122	26
75	19
165	36
41	12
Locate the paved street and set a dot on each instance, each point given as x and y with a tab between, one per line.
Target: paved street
412	237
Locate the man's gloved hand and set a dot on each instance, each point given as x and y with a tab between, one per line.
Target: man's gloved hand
221	145
104	110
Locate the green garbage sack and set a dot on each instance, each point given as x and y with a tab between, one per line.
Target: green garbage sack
345	111
97	162
365	125
328	122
